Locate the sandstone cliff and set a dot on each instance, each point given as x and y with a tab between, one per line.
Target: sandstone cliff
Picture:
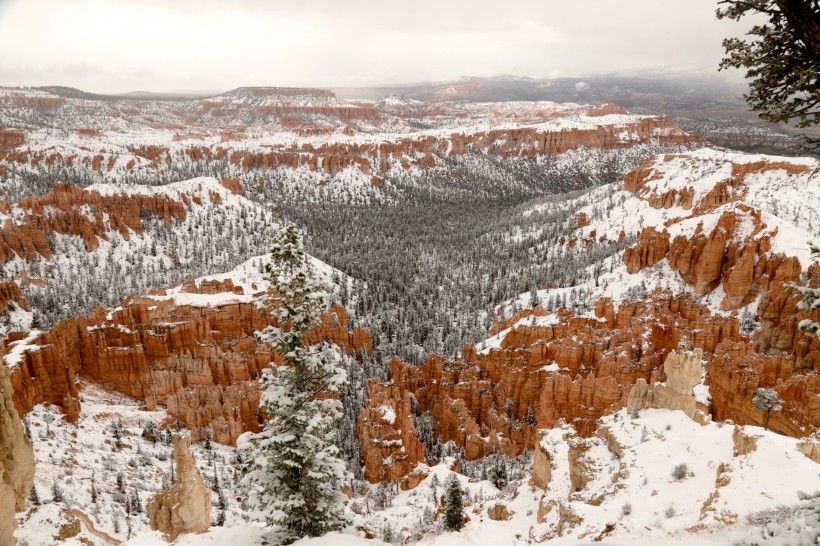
652	351
200	360
16	462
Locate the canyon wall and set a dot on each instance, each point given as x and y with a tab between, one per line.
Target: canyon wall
200	361
649	352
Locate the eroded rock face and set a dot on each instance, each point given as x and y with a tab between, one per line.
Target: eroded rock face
16	452
61	211
10	292
810	447
743	443
326	116
683	371
542	465
8	520
202	363
578	370
186	507
391	449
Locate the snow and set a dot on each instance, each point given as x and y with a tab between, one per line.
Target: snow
786	204
388	414
20	347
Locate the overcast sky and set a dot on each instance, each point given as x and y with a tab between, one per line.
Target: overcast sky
166	45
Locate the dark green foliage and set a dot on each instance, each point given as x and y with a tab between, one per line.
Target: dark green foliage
33	497
57	494
498	473
454	504
781	58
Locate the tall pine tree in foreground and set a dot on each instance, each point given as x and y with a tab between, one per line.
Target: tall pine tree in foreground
296	477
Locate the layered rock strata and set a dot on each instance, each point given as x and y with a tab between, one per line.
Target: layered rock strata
200	361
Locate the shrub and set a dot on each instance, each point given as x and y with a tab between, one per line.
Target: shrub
626	509
680	472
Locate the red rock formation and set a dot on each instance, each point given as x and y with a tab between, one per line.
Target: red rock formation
60	211
779	356
484	398
10	292
11	139
390	445
202	363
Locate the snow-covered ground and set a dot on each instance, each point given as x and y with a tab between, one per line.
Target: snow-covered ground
632	497
786	203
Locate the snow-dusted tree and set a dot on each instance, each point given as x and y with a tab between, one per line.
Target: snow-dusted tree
767	401
296	477
810	299
454	508
498	468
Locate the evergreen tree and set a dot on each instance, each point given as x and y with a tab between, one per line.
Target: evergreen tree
810	299
454	509
498	473
136	505
57	494
297	479
782	60
93	490
33	496
767	401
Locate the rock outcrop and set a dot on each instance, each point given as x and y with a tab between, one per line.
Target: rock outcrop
391	449
62	211
8	520
542	465
186	507
201	362
10	292
318	113
16	462
683	371
578	369
16	452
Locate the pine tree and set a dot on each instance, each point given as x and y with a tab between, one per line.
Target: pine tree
298	477
454	510
498	473
33	496
57	494
767	401
136	505
810	299
782	58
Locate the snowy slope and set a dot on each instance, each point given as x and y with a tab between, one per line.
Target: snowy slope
787	203
661	509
